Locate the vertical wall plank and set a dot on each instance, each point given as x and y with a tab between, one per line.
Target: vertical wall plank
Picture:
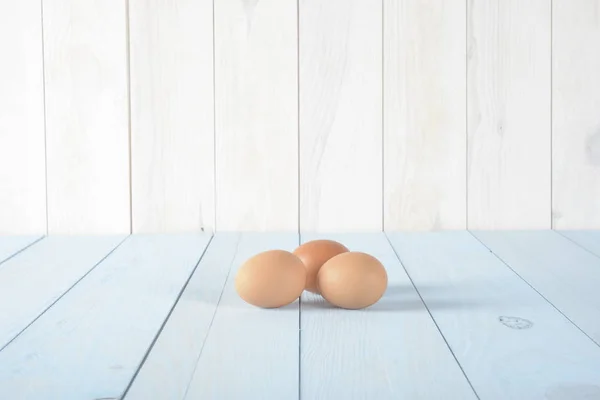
85	53
424	114
256	106
576	114
340	115
509	114
22	169
172	127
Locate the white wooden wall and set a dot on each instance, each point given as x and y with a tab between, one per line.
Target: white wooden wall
124	116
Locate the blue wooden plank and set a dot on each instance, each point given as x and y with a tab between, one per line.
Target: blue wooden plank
11	245
510	341
588	239
250	353
91	342
33	280
169	367
563	272
391	350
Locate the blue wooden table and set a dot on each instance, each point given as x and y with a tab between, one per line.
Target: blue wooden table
467	315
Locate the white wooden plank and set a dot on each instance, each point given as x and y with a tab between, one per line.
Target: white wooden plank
256	106
33	280
424	114
509	114
170	365
511	343
575	117
560	270
340	115
590	240
10	245
89	344
86	116
172	128
22	160
391	350
250	353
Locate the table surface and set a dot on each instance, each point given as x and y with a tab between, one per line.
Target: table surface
467	315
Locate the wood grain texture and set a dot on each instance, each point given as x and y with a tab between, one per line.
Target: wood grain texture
85	53
391	350
11	245
511	343
39	276
22	158
560	270
575	116
90	343
256	100
169	368
424	114
172	127
509	114
250	353
340	115
590	240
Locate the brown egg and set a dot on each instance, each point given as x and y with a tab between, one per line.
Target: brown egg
271	279
314	254
352	280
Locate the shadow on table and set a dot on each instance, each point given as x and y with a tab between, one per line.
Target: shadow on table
401	298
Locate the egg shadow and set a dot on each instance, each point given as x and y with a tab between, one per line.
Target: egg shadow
398	298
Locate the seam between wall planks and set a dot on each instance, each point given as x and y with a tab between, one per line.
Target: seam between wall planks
382	115
299	194
214	122
44	111
466	114
298	115
128	66
551	114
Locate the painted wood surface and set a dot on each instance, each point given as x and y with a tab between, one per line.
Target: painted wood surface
575	116
511	343
390	350
169	368
90	343
172	128
590	240
560	270
424	114
340	54
32	281
85	56
250	352
22	158
12	245
509	88
256	115
177	116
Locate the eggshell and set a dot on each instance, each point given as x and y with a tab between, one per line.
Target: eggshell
352	280
313	255
271	279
